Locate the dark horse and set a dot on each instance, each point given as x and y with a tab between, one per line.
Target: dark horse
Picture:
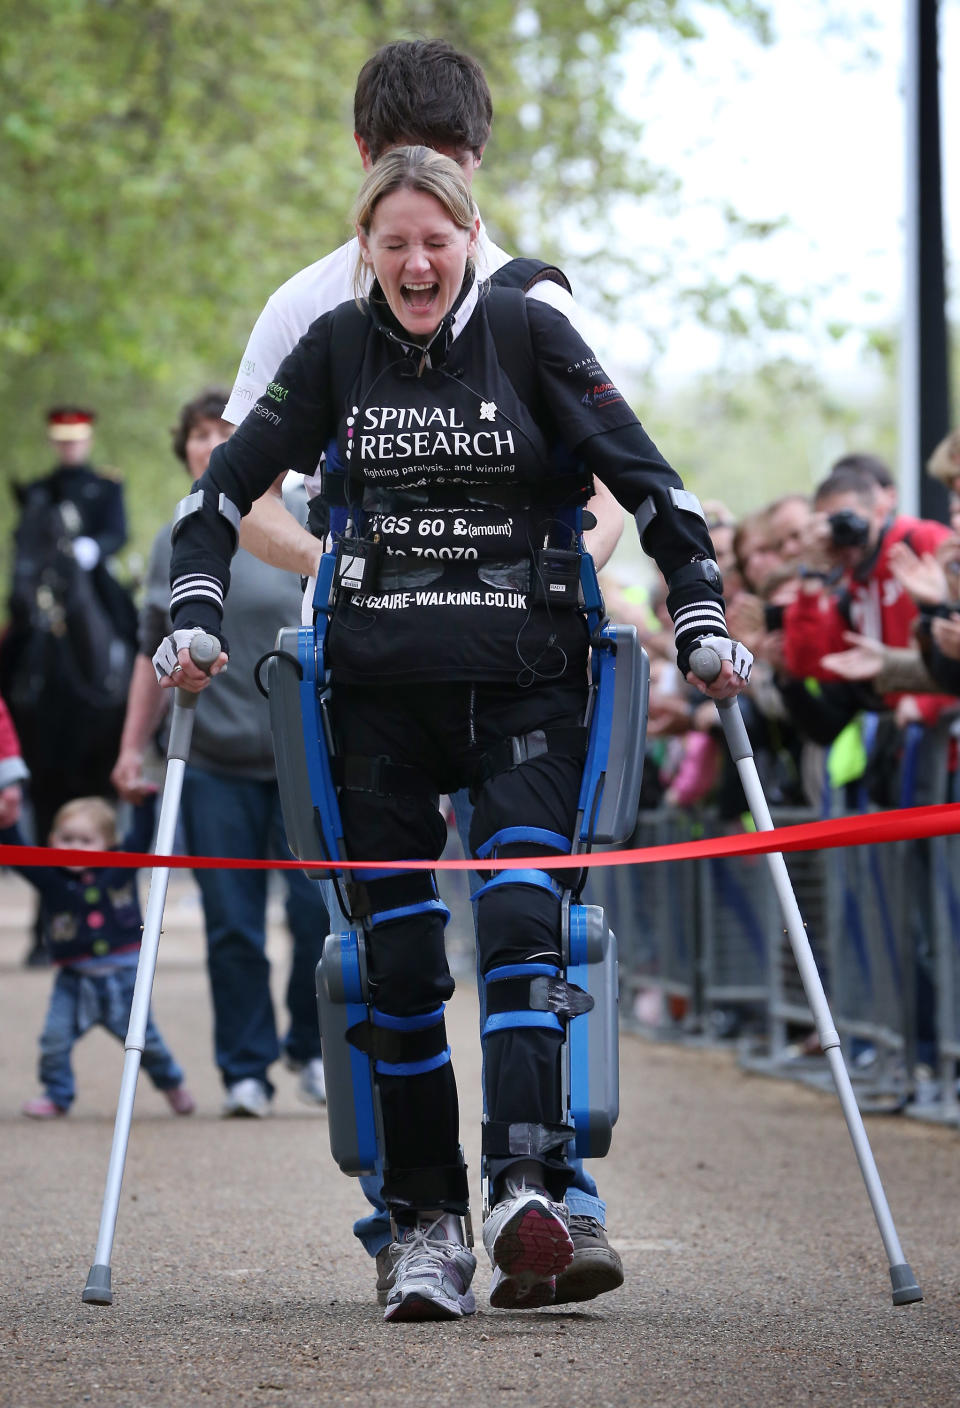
65	660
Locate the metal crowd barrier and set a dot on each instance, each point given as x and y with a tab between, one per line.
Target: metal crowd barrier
945	852
704	956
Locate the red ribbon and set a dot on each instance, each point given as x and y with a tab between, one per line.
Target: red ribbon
910	824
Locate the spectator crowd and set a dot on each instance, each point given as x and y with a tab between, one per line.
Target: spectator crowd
852	612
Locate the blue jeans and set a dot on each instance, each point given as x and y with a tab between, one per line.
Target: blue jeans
80	1001
241	817
582	1197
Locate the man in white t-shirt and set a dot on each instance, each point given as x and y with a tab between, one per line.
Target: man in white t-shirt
421	92
425	92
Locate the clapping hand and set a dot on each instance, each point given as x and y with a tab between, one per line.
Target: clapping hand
923	577
863	661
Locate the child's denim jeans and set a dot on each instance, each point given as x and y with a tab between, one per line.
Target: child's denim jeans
80	1001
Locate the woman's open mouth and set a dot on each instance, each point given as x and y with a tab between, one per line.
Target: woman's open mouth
419	296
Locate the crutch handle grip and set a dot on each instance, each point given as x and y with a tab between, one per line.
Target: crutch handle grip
204	650
705	663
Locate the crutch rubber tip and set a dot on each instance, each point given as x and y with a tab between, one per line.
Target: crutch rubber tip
905	1288
97	1290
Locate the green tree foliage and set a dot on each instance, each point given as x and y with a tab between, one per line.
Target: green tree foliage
167	163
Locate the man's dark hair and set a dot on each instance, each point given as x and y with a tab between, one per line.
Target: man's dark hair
878	469
852	475
422	92
209	405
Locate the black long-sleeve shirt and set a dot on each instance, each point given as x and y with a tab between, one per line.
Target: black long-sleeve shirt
476	493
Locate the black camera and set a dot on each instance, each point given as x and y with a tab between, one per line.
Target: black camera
848	529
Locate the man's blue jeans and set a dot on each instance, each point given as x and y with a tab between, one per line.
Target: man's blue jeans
80	1001
582	1197
241	817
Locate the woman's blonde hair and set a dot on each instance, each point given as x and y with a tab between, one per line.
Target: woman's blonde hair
944	463
411	169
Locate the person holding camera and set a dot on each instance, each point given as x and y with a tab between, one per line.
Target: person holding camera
933	581
848	582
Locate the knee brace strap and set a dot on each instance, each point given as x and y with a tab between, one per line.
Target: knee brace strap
403	1046
383	895
501	1140
531	995
433	906
538	879
536	835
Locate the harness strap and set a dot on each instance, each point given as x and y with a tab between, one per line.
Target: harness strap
509	753
358	773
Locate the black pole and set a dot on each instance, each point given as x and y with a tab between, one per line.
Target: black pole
934	419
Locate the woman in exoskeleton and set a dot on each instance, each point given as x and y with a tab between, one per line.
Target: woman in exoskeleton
444	645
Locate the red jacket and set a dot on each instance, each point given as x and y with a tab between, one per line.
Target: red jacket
12	767
814	624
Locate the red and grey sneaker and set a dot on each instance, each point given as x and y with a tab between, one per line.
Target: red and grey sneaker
529	1245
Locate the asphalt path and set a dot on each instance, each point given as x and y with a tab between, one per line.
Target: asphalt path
754	1271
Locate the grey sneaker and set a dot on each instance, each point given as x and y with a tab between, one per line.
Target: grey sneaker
247	1098
528	1243
386	1266
432	1273
595	1268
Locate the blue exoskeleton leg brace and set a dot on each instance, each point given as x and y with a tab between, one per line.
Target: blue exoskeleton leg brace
575	997
572	998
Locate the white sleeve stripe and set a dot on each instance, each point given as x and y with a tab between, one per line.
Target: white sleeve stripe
700	624
179	598
196	577
198	588
210	586
703	611
700	606
199	579
194	596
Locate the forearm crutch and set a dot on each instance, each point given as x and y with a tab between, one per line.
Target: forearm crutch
705	664
203	652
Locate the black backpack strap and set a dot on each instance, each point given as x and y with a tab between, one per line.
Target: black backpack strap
507	317
524	273
349	326
506	303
